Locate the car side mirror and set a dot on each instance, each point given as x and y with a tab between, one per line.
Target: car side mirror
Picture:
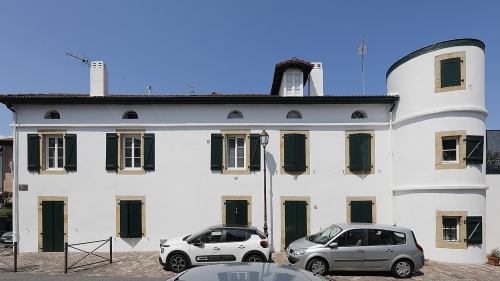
333	245
197	243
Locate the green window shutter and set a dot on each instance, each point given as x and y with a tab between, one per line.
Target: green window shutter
361	211
295	152
70	152
58	219
367	151
47	226
149	152
474	149
111	152
355	152
255	152
289	151
450	72
474	230
33	152
135	219
216	152
231	212
123	219
242	212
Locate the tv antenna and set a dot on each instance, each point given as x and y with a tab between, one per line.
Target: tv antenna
362	50
192	89
82	59
149	89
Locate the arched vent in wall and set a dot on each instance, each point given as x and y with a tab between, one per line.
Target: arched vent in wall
293	114
52	114
358	114
235	114
130	115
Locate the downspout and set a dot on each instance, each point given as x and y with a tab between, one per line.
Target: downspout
391	164
15	189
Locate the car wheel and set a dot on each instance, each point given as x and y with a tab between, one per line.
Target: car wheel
178	263
317	266
254	258
402	269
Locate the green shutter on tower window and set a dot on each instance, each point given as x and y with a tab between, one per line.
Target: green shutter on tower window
33	152
216	152
474	149
70	152
367	151
135	219
474	225
450	72
111	152
355	152
361	211
300	152
242	212
123	219
289	152
254	152
149	152
230	212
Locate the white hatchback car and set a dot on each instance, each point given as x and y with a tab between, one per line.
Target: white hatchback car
216	244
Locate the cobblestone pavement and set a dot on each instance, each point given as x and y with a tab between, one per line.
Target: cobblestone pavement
145	264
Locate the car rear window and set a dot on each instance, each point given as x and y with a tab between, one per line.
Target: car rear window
399	237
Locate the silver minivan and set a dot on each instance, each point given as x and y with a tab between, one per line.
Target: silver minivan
358	247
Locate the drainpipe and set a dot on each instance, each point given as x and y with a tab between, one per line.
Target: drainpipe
15	189
391	149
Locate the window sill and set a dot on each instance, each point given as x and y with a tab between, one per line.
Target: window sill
53	172
236	172
131	172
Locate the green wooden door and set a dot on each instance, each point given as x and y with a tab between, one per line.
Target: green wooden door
237	212
52	226
295	221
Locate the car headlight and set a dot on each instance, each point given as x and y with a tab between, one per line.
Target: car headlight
299	252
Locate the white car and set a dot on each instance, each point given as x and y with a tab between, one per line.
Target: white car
216	244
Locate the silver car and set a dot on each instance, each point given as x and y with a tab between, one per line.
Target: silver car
358	247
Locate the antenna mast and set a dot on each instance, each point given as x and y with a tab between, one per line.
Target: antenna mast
149	90
362	50
82	59
192	89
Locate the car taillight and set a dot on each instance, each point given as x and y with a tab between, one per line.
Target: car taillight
420	247
264	244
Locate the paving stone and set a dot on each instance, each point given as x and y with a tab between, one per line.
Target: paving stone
145	264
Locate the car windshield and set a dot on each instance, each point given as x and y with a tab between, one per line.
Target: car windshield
325	235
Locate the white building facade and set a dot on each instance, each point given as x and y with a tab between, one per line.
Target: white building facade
144	168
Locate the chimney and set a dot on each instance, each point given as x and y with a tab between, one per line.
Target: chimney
316	80
98	79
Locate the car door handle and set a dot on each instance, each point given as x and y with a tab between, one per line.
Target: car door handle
361	251
389	250
241	247
216	248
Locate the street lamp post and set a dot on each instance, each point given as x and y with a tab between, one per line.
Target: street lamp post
264	139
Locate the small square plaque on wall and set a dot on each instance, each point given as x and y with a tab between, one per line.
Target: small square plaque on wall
23	187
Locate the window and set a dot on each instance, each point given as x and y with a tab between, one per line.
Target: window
211	236
451	229
52	152
293	84
358	115
351	238
52	114
361	209
450	72
295	151
293	114
134	153
235	152
235	114
377	237
450	149
236	235
130	115
237	210
131	217
360	152
456	149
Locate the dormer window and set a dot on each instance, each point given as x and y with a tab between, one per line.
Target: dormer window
130	115
293	84
52	114
235	114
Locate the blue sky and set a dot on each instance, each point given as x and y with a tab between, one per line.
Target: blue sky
228	46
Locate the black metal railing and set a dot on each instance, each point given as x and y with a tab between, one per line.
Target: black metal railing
88	254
